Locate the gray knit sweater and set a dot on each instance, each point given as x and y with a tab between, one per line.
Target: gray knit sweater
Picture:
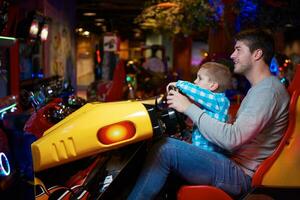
260	123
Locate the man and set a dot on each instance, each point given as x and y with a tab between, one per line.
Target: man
259	125
154	64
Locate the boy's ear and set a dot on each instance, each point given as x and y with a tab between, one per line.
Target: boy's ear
214	86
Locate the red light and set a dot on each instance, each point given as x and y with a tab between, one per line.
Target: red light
116	132
98	56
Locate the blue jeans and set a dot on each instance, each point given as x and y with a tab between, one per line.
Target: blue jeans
192	164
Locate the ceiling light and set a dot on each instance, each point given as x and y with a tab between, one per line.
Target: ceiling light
289	25
89	14
34	28
98	24
86	33
44	32
99	20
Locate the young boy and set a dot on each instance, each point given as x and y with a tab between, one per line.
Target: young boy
208	91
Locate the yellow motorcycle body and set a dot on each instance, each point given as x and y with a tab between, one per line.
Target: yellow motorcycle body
94	128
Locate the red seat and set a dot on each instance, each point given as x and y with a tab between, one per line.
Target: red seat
196	192
296	80
265	166
113	90
209	192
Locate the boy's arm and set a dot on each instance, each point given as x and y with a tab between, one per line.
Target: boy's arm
204	97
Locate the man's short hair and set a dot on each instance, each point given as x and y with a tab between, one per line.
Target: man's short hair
258	39
218	73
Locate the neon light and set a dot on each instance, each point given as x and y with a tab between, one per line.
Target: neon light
7	38
4	165
8	107
98	56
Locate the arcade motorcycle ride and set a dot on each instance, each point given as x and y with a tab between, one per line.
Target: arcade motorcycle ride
91	152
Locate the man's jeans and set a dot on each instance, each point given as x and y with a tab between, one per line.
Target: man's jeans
192	164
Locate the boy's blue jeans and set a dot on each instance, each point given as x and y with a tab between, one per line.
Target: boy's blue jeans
194	165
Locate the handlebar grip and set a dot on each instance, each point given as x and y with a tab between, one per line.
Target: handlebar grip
172	87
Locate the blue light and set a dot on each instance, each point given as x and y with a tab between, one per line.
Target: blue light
4	165
247	12
274	67
283	80
40	75
219	8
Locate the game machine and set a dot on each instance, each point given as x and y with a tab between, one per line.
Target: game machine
15	146
22	93
8	104
110	74
97	151
11	185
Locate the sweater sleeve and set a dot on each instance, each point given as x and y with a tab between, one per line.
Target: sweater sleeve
255	115
204	97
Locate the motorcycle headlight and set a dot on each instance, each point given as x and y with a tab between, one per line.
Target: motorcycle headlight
116	132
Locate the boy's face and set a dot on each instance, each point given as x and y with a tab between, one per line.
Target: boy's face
203	80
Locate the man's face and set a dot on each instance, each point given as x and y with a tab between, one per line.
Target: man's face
241	58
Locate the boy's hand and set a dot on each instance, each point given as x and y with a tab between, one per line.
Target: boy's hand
178	101
171	86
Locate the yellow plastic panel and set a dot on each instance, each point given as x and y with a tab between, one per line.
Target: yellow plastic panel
75	137
285	172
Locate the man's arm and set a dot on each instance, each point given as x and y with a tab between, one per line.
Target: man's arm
251	121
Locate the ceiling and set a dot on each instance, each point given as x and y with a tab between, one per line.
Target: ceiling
118	15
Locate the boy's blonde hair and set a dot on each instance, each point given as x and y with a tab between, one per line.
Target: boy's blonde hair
218	73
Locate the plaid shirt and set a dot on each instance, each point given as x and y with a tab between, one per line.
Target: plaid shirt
215	105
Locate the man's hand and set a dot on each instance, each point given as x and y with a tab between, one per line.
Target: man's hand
178	101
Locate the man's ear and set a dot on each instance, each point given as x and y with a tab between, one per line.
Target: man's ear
214	86
258	53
